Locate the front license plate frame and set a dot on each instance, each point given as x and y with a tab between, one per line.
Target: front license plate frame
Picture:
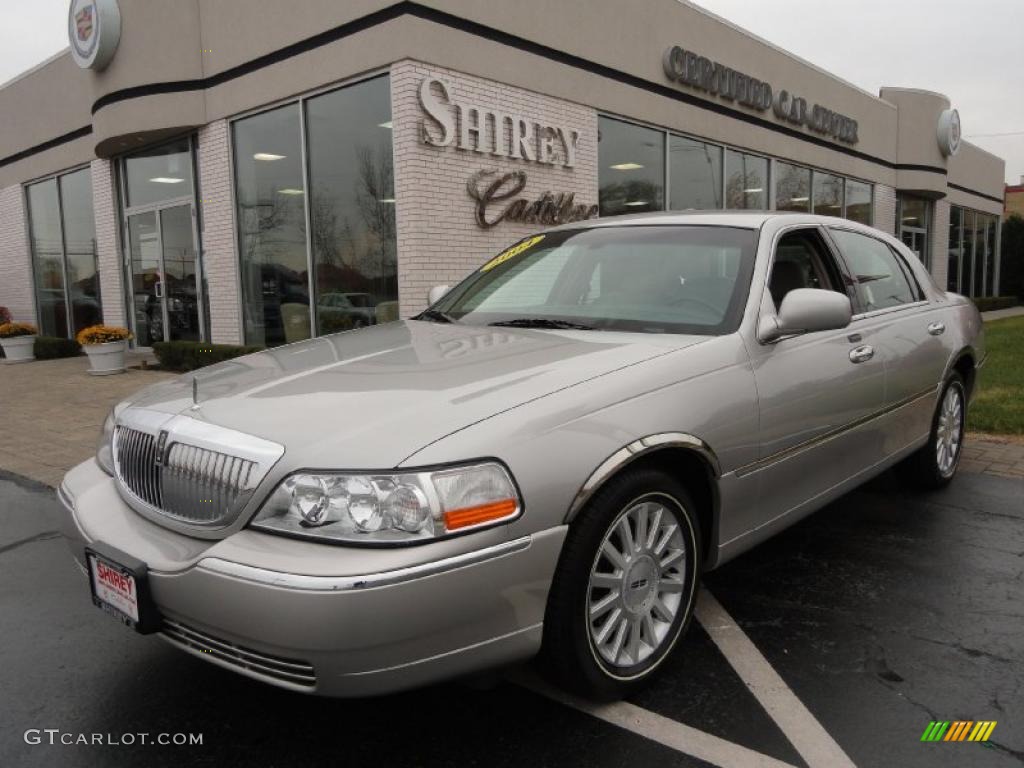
113	577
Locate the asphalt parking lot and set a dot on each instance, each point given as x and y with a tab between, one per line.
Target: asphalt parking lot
833	644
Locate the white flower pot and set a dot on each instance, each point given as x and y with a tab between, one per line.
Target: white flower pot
106	359
19	349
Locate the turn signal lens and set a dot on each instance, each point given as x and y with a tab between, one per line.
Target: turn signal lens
485	513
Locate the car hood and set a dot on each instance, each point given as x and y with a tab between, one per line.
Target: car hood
370	398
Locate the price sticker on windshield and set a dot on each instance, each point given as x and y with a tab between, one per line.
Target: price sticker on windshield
512	252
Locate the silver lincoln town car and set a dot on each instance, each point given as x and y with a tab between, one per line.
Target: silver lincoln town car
542	462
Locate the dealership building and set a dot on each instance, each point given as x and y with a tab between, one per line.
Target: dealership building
244	171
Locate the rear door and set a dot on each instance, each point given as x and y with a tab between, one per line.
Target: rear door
815	394
907	328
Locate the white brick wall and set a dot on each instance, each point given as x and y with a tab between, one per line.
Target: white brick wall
438	238
220	259
108	254
885	209
938	242
16	292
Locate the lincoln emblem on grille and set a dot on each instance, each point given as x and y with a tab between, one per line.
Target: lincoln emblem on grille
161	443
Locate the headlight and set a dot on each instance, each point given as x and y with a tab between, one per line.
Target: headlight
390	508
105	447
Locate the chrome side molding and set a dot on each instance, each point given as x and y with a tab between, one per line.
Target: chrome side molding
307	583
635	450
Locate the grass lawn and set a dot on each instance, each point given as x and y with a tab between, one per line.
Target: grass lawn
999	405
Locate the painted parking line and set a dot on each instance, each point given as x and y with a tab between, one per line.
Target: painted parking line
803	730
811	741
663	730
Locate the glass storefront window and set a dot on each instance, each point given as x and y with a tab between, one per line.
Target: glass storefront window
978	283
270	195
967	268
953	267
631	176
159	173
828	194
991	225
792	188
62	234
47	257
746	185
695	174
80	247
351	212
858	201
352	206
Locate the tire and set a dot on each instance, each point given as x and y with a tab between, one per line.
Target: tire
586	647
935	464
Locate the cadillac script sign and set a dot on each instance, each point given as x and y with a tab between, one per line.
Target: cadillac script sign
94	30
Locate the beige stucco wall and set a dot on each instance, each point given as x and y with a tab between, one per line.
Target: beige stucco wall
439	240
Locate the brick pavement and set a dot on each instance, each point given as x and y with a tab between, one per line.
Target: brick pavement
51	413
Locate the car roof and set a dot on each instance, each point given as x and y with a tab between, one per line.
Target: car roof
747	219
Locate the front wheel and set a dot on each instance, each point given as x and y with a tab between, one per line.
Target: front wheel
625	585
935	464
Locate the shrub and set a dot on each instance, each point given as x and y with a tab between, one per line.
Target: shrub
988	303
10	330
102	334
189	355
52	347
5	315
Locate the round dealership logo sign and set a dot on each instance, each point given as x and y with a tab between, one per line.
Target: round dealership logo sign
94	29
949	132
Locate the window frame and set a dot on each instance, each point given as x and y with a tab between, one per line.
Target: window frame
912	282
300	101
773	161
835	267
27	222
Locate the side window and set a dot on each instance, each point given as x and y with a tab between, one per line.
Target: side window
879	278
801	261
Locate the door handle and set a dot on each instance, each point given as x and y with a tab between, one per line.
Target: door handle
158	289
936	329
862	354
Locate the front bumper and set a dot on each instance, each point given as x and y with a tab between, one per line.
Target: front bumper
445	614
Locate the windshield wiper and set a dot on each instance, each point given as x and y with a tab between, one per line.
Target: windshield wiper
436	316
543	322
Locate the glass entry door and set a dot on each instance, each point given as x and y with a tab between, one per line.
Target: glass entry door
164	276
914	239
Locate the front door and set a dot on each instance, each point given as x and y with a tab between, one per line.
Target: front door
815	390
164	276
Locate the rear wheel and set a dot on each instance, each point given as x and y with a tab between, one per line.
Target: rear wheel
625	585
934	465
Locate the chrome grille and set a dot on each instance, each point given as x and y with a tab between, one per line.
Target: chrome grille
193	484
200	485
275	669
136	464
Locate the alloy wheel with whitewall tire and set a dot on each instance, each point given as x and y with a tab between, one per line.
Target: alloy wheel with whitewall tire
625	585
936	463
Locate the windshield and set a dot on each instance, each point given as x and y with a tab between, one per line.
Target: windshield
647	279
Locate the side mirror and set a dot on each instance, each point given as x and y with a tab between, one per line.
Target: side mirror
806	310
437	293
